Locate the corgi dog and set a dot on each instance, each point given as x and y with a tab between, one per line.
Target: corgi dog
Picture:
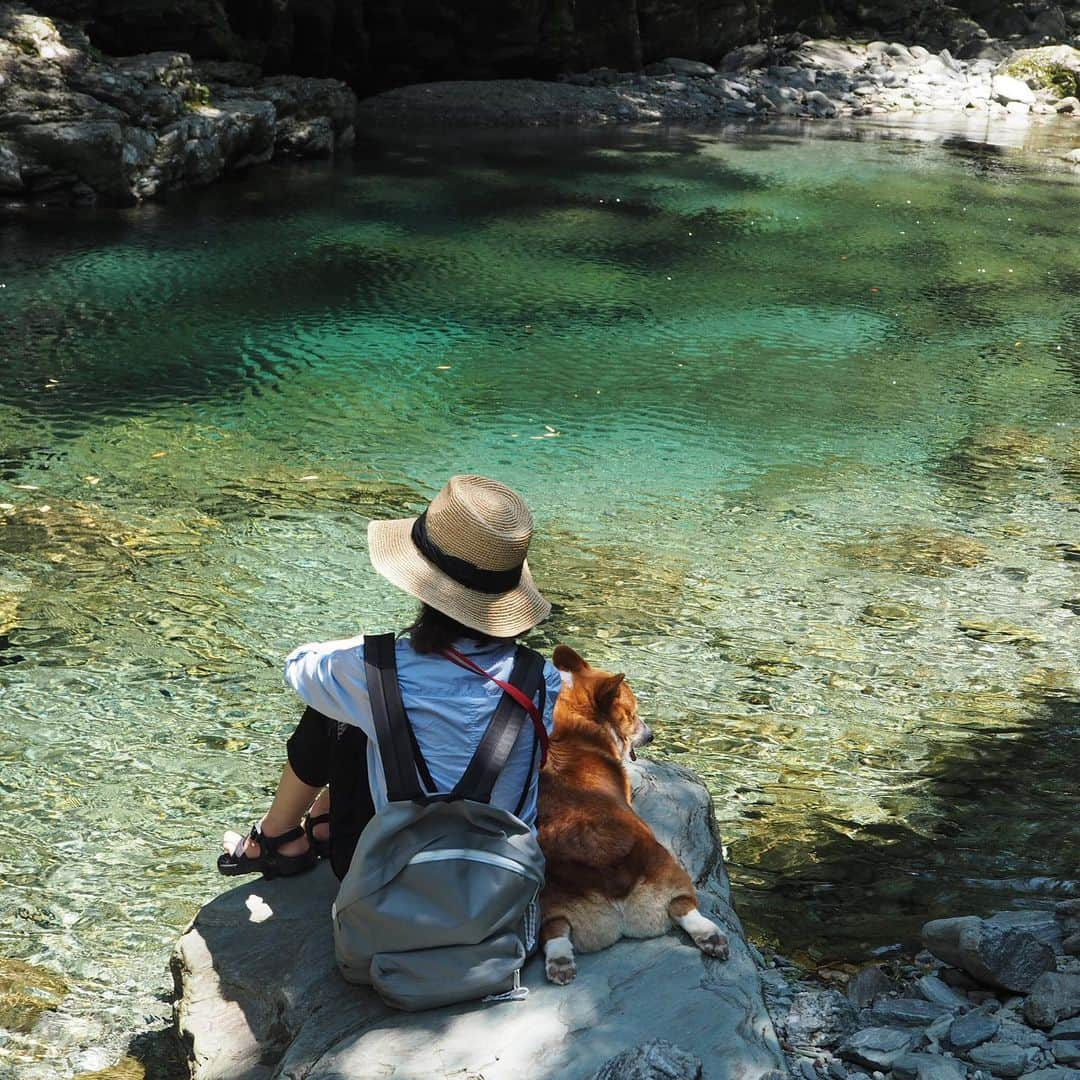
608	877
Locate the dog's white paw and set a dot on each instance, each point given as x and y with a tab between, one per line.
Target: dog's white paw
559	960
707	936
713	944
561	969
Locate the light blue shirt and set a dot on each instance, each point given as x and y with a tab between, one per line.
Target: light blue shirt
449	707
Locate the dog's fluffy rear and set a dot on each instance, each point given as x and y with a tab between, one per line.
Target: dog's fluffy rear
607	875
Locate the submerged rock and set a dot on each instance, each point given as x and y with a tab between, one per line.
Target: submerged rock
26	991
264	998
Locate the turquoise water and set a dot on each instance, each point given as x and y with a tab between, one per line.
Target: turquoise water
799	418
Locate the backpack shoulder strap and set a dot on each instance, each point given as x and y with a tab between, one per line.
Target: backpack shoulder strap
392	728
502	733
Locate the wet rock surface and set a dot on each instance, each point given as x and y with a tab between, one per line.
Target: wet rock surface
79	127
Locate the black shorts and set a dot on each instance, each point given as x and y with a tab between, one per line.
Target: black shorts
322	751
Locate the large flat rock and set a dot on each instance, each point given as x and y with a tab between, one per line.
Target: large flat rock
259	996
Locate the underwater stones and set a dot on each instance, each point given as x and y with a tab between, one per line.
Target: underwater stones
995	955
9	610
888	613
1054	996
999	633
1000	449
127	1068
26	991
776	665
929	552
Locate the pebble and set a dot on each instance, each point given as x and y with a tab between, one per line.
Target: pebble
876	1047
934	989
1001	1059
972	1029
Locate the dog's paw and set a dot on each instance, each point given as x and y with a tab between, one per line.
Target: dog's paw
713	943
560	969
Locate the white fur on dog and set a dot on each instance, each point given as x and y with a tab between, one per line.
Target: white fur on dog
558	948
696	925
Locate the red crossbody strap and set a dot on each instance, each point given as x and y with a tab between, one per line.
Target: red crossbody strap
526	703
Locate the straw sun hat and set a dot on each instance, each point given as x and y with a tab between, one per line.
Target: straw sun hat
465	556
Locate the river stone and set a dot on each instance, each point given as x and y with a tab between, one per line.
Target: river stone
1066	1029
1005	89
259	995
938	991
996	955
926	1067
1071	945
654	1060
907	1012
1066	1051
1001	1059
1053	997
1053	1073
876	1047
694	68
968	1031
820	1017
868	983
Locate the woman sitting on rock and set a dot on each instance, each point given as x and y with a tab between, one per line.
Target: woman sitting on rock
464	559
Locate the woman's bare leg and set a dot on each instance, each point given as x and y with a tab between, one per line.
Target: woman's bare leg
292	798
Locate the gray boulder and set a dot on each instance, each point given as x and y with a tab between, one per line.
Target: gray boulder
1053	1073
654	1060
1066	1051
1000	956
869	982
259	996
1006	89
1066	1029
938	991
1054	996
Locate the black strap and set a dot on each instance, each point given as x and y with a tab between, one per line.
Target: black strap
392	728
502	733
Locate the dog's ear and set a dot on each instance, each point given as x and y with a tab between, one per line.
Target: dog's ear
606	691
565	659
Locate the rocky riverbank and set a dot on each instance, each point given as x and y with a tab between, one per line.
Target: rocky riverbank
786	77
79	127
987	998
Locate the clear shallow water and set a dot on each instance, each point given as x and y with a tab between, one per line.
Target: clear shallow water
800	421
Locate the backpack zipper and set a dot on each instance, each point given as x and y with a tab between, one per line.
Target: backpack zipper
488	857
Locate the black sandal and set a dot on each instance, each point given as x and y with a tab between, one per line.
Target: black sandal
270	862
320	847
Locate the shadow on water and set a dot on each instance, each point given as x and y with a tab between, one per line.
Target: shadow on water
965	849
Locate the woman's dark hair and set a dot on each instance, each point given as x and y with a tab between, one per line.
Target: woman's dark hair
433	632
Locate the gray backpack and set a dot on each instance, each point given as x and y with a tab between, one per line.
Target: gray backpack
440	902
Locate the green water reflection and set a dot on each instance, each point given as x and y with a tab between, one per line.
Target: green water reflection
799	418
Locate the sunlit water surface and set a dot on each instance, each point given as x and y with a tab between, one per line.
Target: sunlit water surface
798	417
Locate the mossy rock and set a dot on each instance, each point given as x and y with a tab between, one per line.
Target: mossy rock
1052	67
26	991
916	551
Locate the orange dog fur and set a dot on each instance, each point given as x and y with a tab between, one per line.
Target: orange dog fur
608	877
